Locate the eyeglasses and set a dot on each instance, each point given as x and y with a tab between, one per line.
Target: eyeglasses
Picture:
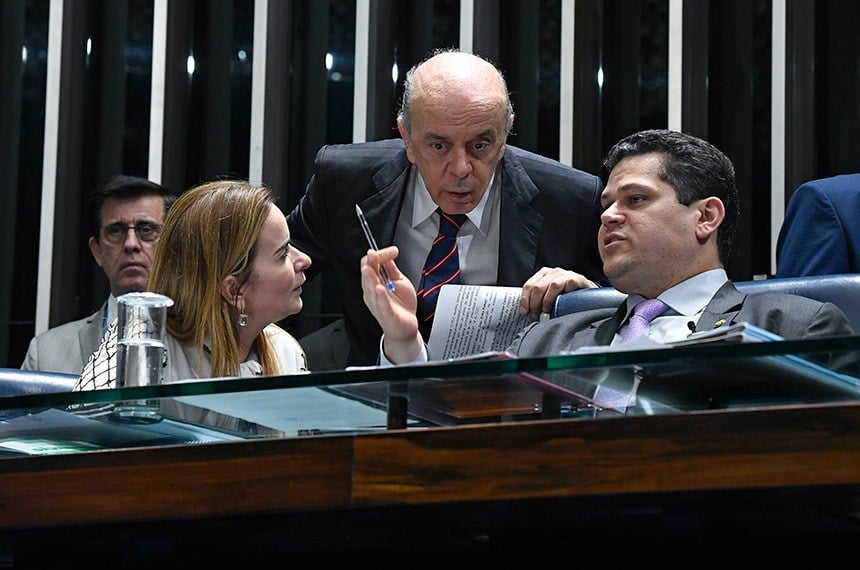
114	234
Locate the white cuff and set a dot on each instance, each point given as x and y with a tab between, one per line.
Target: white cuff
420	359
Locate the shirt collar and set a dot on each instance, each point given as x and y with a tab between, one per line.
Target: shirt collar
686	297
423	206
110	311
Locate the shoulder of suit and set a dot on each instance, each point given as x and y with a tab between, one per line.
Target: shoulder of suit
782	299
535	163
65	329
373	149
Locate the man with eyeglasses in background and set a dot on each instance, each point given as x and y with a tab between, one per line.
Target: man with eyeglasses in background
126	215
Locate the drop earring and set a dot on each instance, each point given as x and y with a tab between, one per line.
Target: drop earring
243	318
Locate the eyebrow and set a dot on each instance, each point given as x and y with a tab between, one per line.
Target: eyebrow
140	221
629	187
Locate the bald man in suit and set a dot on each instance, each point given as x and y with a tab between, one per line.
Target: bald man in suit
531	221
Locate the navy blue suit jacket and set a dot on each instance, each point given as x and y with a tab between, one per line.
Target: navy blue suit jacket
820	234
550	214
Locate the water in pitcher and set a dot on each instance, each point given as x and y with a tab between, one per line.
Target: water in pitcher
141	363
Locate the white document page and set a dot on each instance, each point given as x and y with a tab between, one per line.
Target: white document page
474	319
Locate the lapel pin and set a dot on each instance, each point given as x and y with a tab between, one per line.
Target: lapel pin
719	323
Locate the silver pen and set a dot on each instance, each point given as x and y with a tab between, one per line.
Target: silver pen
372	243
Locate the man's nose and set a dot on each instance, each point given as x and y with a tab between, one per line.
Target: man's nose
132	241
611	215
461	164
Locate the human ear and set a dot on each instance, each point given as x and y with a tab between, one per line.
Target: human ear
712	212
230	289
407	142
96	250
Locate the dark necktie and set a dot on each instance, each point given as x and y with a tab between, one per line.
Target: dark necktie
643	313
442	266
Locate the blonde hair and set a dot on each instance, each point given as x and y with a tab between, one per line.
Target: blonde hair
209	233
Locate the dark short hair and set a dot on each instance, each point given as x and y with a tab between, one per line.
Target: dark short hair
695	168
124	187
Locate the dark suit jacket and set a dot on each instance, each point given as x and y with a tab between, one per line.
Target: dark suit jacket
550	214
820	234
789	316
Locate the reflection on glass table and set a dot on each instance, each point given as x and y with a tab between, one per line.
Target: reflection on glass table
495	388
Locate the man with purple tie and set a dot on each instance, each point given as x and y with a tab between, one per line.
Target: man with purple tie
670	210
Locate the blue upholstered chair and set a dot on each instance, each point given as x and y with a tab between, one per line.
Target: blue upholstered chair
16	382
841	290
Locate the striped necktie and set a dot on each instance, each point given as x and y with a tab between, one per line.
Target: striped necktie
442	266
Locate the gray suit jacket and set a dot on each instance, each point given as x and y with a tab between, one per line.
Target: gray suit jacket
789	316
550	214
67	347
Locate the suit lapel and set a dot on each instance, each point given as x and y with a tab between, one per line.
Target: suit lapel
722	309
90	335
599	333
520	224
383	207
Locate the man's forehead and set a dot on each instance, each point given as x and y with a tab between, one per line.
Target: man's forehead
144	206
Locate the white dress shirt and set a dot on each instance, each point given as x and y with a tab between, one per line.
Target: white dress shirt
686	300
477	240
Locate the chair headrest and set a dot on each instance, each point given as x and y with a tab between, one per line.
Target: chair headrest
16	382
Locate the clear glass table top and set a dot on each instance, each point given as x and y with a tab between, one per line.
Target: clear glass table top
495	388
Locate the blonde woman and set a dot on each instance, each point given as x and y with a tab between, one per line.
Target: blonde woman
224	258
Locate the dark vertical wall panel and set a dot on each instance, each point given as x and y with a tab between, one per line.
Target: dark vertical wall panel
799	94
276	124
71	154
622	71
380	88
485	29
110	58
12	34
308	132
694	88
519	60
731	113
107	67
837	87
176	95
211	89
587	137
310	88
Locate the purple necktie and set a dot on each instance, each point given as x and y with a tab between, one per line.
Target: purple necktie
640	322
442	266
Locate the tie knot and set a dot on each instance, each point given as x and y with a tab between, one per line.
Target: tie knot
449	224
650	309
640	321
